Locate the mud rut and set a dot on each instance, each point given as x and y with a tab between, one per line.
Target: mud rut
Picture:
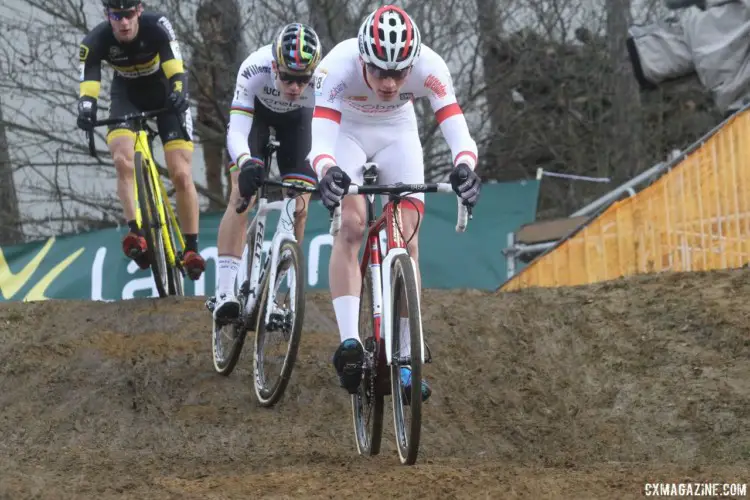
580	393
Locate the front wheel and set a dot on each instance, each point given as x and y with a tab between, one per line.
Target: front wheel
407	405
175	274
279	329
150	224
368	402
227	340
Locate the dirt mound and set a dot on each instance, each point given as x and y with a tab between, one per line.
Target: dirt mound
589	391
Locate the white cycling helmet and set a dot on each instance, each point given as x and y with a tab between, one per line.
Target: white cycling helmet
389	39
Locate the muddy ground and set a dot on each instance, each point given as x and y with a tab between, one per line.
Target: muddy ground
587	392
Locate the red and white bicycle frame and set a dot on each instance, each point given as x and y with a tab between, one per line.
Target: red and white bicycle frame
381	272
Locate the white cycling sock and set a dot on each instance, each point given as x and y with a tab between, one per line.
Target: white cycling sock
347	316
404	346
229	266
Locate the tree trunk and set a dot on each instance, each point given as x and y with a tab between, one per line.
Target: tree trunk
214	71
10	228
494	67
626	130
331	21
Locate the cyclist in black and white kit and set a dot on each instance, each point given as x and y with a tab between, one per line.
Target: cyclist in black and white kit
273	90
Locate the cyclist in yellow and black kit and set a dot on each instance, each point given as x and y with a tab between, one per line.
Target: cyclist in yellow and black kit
142	49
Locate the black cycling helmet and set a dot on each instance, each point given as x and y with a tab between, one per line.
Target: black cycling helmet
121	4
297	49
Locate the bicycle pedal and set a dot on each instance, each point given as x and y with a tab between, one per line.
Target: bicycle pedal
369	344
211	304
428	354
275	322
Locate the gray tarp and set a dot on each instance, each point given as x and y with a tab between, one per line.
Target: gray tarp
713	43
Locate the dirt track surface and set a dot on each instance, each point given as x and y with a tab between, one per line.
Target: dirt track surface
588	392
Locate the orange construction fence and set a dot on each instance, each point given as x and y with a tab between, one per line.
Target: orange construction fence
695	217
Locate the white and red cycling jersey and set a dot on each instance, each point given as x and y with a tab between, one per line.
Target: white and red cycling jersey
352	125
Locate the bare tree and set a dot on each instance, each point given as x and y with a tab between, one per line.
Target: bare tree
60	187
10	229
626	102
213	69
560	95
543	83
332	21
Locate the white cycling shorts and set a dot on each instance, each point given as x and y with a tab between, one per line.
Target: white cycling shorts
395	147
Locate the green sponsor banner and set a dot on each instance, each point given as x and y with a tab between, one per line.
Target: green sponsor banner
92	265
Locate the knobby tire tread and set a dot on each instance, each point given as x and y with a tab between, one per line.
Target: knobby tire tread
146	202
405	280
375	430
269	400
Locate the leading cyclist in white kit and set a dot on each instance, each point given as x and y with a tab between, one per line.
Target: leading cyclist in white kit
364	112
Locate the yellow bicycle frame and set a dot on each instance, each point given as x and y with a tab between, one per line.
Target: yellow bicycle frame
160	194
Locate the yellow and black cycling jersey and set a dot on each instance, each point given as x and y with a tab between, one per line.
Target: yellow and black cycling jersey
153	49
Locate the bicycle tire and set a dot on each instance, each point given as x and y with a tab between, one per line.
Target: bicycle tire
369	398
154	244
269	396
239	328
175	277
405	281
239	332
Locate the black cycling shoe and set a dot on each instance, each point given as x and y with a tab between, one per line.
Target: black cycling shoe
348	360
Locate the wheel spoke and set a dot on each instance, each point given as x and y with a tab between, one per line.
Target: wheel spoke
277	339
407	407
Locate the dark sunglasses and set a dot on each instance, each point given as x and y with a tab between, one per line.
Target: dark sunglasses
396	74
119	15
289	78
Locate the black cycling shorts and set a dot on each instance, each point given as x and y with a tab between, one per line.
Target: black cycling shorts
133	97
293	130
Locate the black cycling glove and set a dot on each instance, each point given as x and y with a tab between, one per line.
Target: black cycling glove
333	186
86	113
466	184
252	174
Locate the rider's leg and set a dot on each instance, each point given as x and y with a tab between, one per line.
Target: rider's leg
121	144
300	216
178	153
231	237
343	272
301	204
344	276
230	243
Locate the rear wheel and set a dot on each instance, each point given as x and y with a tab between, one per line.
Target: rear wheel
368	402
150	224
277	340
407	406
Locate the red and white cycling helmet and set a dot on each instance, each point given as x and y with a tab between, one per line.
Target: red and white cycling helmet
389	39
